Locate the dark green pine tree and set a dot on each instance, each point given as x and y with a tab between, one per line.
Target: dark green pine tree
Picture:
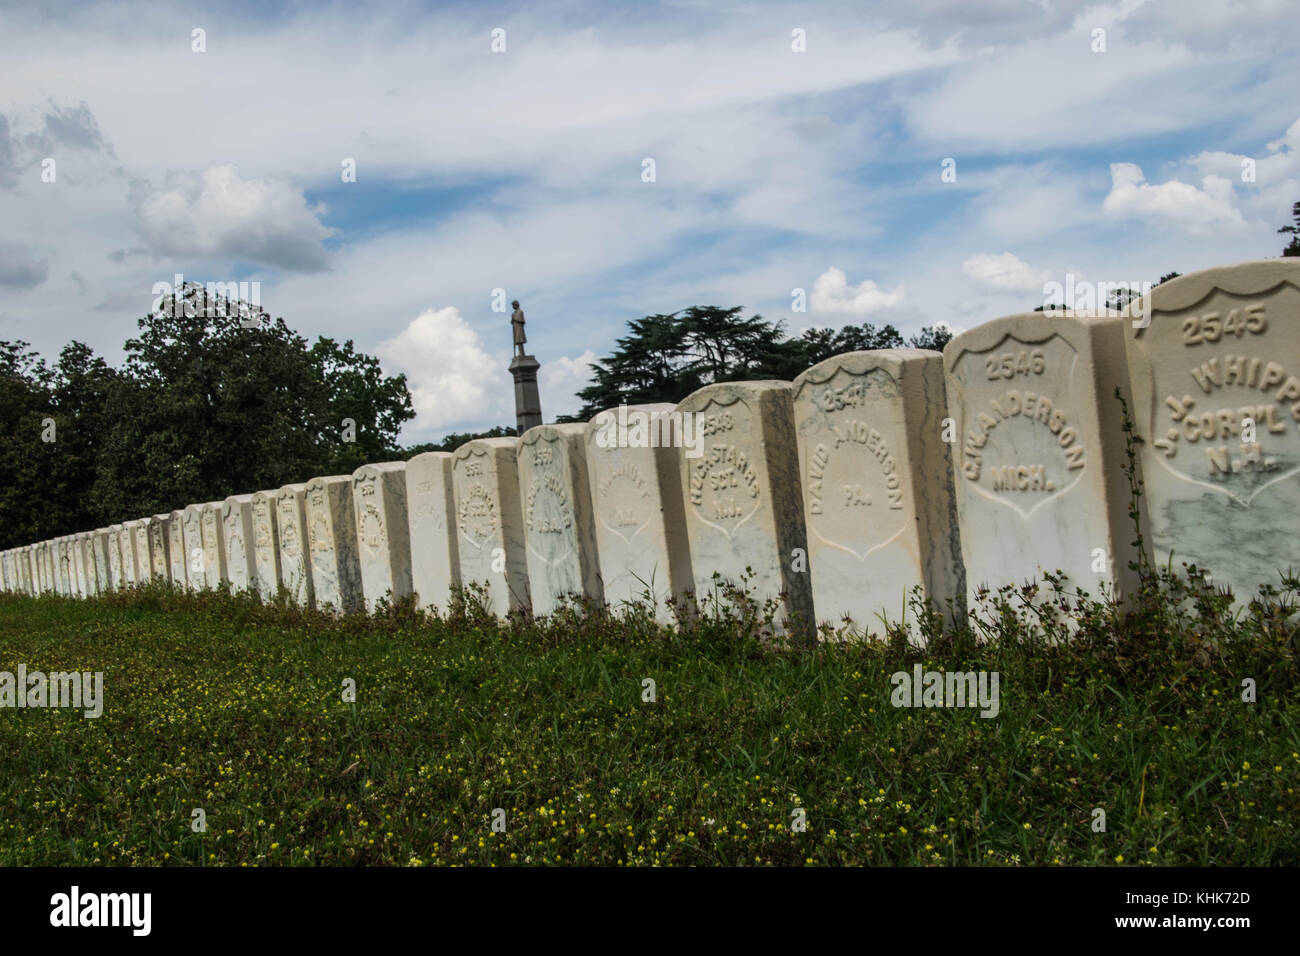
1293	249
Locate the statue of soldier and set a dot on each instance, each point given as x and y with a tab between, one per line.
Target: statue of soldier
517	325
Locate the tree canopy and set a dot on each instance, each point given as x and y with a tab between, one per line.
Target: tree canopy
201	408
1293	249
664	358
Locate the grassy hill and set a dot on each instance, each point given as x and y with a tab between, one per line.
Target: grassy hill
236	708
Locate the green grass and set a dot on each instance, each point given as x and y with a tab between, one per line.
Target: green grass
223	704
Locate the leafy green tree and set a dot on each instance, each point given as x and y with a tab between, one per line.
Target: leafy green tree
203	407
454	440
26	402
1293	249
664	358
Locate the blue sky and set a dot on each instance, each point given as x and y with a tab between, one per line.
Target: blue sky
775	170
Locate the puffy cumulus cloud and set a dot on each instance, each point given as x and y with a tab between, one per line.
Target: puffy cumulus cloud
216	213
455	383
1204	211
1006	271
559	381
20	268
1276	180
832	293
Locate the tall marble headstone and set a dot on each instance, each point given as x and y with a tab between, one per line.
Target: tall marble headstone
99	547
114	541
266	545
78	544
160	547
877	487
744	505
130	560
332	544
192	536
431	515
383	532
143	551
177	557
1216	391
212	535
489	523
237	535
559	533
71	584
640	516
295	559
1039	452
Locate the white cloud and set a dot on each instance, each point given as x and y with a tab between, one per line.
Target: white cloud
1276	181
458	385
1005	271
559	381
832	293
455	382
216	213
1201	211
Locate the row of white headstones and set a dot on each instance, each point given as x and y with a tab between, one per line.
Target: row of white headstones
873	479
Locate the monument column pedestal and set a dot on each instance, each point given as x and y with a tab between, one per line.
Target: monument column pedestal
528	402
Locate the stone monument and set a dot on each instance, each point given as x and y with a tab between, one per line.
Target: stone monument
528	402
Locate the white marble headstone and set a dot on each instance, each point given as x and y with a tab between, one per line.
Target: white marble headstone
744	505
877	486
160	547
177	559
114	541
78	545
431	516
1039	452
383	532
192	536
295	560
266	545
130	562
237	536
143	551
103	574
489	523
332	544
639	512
212	535
1216	391
559	532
